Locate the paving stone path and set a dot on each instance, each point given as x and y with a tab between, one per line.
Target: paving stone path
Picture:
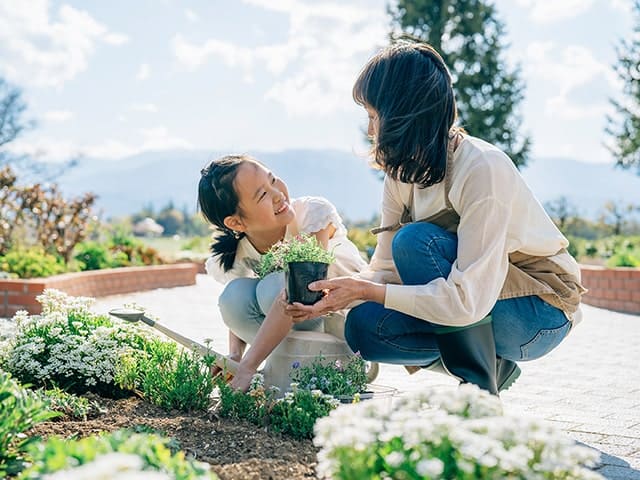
589	386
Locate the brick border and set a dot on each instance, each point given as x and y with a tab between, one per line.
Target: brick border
612	288
21	294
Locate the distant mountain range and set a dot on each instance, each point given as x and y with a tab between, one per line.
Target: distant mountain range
125	186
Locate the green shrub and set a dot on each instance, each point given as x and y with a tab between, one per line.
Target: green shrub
20	409
31	262
623	259
180	380
70	346
297	412
333	378
294	414
70	406
92	255
118	454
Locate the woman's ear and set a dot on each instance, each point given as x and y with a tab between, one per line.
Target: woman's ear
233	222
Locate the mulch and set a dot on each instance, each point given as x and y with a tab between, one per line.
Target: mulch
234	449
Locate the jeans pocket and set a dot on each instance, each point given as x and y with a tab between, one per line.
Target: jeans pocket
544	341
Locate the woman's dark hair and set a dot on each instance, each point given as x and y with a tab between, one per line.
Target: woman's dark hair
409	87
217	199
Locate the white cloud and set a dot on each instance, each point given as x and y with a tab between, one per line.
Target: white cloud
144	107
143	72
191	15
563	70
57	115
315	68
42	51
548	11
50	149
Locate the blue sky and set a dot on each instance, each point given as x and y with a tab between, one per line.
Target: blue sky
110	79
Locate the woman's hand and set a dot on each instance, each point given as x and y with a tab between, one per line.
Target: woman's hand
339	293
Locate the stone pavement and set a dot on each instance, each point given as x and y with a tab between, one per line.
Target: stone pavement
589	386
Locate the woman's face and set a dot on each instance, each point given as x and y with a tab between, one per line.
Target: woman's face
372	128
263	199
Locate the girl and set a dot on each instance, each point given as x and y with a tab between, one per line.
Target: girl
251	208
481	272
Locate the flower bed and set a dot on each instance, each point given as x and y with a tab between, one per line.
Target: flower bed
440	433
18	295
612	288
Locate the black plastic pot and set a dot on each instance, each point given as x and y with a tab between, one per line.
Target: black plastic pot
299	276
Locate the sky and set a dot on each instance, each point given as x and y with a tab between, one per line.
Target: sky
112	79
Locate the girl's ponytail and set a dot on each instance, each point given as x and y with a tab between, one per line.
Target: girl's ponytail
217	200
224	247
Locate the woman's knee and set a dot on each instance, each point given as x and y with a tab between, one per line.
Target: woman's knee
357	328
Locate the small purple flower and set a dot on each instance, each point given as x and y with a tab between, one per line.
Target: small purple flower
338	364
295	364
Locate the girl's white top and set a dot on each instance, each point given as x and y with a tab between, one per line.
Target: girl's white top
498	215
312	215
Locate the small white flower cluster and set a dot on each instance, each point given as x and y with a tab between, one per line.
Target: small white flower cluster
438	430
111	466
64	342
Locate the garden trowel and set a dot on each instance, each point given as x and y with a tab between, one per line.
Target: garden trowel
133	315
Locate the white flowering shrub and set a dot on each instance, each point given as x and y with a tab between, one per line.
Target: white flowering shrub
121	455
70	346
445	434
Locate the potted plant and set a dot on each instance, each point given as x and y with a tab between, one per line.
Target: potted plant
303	260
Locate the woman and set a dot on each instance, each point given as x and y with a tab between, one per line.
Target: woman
469	273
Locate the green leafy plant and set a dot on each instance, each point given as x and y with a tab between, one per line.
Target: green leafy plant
294	414
301	248
177	379
121	453
20	409
297	413
71	347
338	378
70	406
31	262
459	434
623	259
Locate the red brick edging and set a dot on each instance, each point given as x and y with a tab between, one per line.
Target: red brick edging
612	288
21	294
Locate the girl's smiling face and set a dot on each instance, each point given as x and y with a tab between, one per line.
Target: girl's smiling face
263	201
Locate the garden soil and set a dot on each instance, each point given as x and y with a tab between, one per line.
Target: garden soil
234	449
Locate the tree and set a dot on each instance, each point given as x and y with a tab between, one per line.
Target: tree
12	108
615	216
562	211
625	129
468	35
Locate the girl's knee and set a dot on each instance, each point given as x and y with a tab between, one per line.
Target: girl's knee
268	289
237	301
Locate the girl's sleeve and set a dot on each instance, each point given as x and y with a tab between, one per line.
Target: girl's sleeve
381	268
317	213
484	203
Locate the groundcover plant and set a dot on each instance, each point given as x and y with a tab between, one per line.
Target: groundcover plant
448	434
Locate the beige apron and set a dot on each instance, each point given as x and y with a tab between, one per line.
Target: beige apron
527	274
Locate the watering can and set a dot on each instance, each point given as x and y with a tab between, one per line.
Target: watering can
300	347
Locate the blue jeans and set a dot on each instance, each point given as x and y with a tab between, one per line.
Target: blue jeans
525	328
245	302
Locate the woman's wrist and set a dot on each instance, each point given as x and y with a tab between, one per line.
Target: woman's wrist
374	292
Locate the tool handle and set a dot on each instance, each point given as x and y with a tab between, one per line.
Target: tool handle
221	361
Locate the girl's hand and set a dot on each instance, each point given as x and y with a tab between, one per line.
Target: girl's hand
339	293
242	379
